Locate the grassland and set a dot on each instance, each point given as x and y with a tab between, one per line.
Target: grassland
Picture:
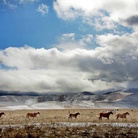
55	123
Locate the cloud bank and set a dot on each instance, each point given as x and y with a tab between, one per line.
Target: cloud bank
112	65
73	66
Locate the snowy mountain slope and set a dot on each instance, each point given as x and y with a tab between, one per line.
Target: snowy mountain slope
117	99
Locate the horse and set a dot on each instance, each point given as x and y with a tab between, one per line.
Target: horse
73	115
33	115
122	115
2	113
105	115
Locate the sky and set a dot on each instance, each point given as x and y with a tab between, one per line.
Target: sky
68	45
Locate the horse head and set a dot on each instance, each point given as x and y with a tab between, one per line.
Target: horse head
78	113
38	113
127	113
111	112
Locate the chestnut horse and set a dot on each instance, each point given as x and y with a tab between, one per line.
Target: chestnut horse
105	115
73	115
122	115
2	113
33	115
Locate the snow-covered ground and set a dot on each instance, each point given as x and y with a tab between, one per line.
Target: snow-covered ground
77	100
70	124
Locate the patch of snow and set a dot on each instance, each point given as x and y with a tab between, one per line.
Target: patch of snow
70	124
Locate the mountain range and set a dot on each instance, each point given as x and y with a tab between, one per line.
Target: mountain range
115	99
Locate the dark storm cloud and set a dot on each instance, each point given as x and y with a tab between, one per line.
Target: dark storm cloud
133	20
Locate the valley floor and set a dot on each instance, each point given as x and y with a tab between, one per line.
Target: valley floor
55	123
12	117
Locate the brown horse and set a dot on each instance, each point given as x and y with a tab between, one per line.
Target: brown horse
33	115
73	115
2	113
105	115
122	115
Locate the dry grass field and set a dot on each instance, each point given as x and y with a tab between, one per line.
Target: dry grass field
55	123
57	115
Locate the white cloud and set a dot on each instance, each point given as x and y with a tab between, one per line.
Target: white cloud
14	3
68	36
112	65
26	1
87	39
43	9
68	41
106	13
9	4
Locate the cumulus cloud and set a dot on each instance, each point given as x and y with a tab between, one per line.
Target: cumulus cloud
112	65
43	9
68	41
102	14
86	39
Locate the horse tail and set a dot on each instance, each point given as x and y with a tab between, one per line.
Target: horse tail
27	115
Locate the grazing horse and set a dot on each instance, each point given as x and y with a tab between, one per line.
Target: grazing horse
73	115
105	115
2	113
33	115
122	115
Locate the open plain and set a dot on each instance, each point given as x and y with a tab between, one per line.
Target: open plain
55	123
15	117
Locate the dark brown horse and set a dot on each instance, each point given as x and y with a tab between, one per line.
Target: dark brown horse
2	113
122	115
33	115
105	115
73	115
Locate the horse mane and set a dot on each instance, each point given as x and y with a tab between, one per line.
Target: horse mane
78	113
2	113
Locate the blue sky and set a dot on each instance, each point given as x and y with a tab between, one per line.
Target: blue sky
24	25
88	41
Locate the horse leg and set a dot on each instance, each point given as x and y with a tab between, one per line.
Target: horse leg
27	117
100	118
